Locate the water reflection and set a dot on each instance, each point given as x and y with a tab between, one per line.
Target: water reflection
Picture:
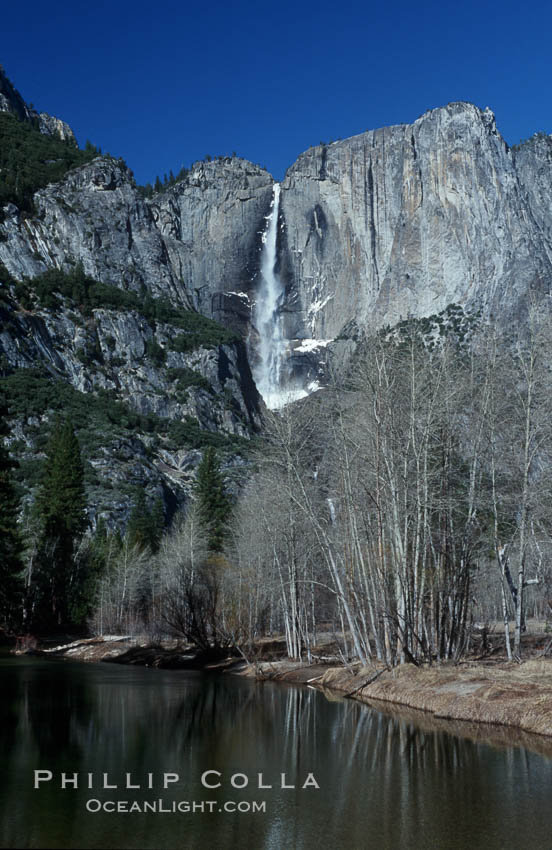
385	782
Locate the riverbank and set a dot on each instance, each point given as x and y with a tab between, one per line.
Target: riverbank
117	649
505	694
499	693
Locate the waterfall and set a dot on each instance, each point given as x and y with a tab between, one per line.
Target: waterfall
267	318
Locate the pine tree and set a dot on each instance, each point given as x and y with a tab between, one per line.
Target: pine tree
145	526
11	585
213	503
138	524
60	504
61	500
157	525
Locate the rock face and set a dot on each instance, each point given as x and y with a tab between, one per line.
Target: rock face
110	350
211	224
197	243
94	217
393	223
143	407
194	245
405	220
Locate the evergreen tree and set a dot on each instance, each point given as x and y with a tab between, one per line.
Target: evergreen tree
61	500
99	544
60	505
213	503
11	585
157	525
145	526
138	527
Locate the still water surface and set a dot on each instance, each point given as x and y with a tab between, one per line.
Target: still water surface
384	783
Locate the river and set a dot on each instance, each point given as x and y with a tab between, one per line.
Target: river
384	783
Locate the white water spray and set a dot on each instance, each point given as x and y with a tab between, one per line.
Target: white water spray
268	321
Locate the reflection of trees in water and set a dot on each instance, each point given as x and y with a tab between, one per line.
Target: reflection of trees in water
9	714
38	708
405	782
382	779
58	716
41	722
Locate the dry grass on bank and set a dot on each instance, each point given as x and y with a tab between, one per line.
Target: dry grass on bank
509	694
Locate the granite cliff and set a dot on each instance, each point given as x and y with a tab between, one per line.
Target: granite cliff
403	221
393	223
98	318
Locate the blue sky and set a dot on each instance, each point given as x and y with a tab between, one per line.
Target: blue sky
162	84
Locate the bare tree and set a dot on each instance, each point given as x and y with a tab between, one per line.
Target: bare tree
120	588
